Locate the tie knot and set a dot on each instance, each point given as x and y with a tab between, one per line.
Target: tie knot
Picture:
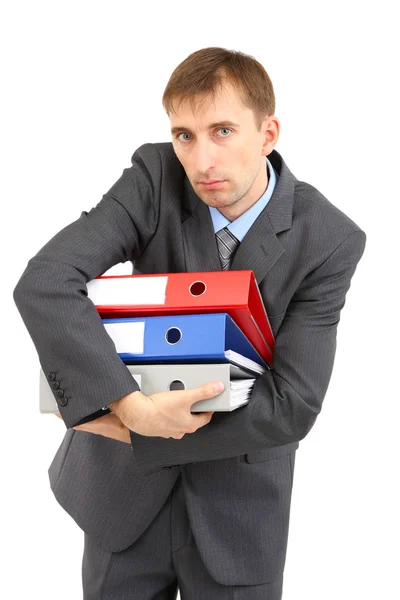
227	244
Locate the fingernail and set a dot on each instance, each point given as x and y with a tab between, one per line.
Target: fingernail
218	387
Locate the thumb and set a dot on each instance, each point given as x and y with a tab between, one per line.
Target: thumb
208	390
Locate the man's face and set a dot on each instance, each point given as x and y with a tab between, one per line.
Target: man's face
220	142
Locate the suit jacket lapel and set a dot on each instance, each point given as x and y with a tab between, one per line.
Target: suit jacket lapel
259	249
199	242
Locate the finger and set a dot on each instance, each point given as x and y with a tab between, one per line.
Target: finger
58	415
208	390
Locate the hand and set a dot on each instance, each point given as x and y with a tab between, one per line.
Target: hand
108	425
165	414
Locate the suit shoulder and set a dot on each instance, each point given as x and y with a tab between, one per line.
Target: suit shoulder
319	211
160	163
159	151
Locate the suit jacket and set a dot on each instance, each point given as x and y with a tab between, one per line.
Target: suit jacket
237	471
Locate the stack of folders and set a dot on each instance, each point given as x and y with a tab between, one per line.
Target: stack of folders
182	330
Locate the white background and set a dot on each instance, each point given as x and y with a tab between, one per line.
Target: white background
82	86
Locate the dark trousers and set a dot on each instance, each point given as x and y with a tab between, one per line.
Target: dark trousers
161	561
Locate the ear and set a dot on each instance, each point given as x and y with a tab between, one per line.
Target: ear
270	129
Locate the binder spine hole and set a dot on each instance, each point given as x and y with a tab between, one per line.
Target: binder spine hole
198	288
177	384
173	335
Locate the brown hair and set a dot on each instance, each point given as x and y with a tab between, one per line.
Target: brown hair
205	71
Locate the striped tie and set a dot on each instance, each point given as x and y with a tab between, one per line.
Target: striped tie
227	244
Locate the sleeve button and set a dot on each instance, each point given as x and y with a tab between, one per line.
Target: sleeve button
60	393
63	402
51	376
55	385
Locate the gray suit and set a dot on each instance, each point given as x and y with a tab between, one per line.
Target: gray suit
237	472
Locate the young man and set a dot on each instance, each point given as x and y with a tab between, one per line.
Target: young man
200	501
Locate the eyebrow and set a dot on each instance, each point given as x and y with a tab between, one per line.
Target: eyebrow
180	128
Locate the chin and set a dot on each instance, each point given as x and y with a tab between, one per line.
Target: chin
218	203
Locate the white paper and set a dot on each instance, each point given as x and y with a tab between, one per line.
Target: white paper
243	361
128	337
118	291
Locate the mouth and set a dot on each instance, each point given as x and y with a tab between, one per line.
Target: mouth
211	185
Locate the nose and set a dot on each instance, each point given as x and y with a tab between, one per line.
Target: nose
204	158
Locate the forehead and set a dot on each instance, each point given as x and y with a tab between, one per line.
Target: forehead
202	110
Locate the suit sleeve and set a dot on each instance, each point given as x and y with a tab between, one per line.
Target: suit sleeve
76	354
285	400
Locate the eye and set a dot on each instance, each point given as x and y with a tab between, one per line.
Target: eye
184	133
225	129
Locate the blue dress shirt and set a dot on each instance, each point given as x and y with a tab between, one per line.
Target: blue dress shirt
240	226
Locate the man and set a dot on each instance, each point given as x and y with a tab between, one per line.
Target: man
200	501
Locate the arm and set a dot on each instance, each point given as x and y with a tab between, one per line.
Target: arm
51	295
285	400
